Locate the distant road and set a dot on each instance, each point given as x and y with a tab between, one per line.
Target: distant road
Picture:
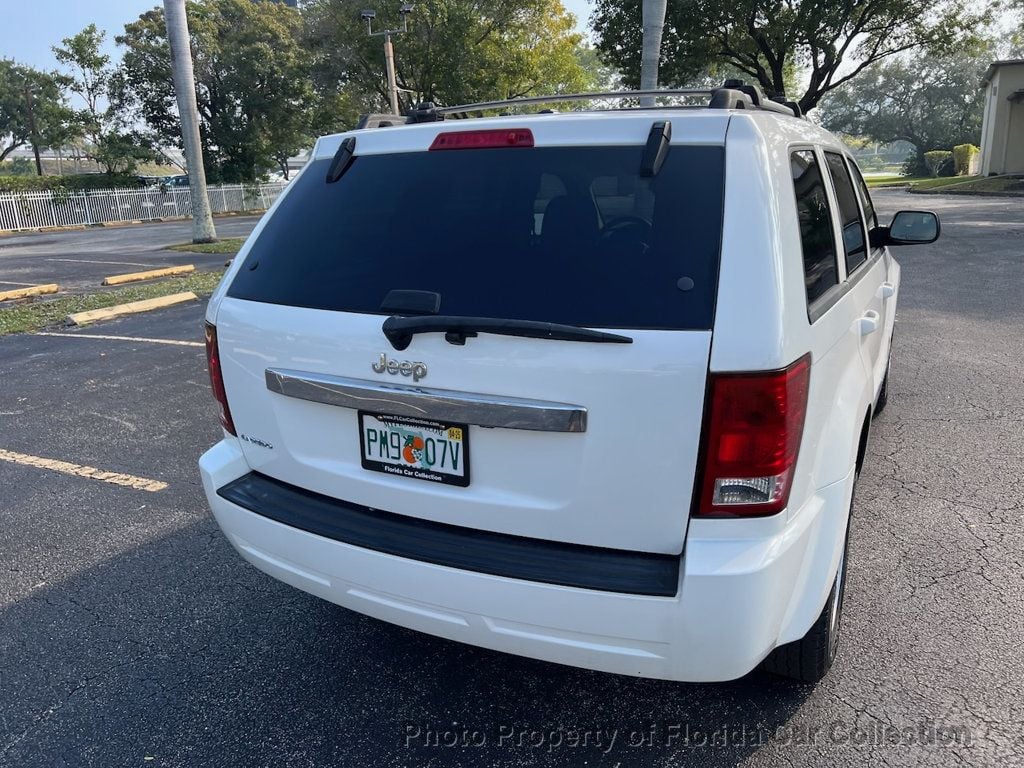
79	259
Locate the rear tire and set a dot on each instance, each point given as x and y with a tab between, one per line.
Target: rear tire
809	659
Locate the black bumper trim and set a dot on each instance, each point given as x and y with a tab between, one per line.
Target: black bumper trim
498	554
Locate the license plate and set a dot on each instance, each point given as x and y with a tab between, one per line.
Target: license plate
409	447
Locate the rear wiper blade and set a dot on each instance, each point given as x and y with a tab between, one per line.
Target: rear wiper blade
456	330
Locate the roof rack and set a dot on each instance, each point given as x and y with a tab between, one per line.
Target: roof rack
733	94
380	120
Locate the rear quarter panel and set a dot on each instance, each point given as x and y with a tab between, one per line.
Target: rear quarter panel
761	320
762	323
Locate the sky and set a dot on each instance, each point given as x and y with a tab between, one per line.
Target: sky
29	27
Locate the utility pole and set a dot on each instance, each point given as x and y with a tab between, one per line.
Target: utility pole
32	129
185	89
389	49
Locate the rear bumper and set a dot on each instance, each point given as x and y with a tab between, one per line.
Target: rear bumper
738	597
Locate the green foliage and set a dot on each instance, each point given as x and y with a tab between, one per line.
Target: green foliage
253	84
105	123
596	73
67	184
939	162
963	154
17	166
456	51
830	43
931	101
55	122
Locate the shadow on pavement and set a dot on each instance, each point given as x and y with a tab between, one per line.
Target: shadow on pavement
180	652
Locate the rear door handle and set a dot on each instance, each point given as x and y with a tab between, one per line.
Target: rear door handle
887	290
868	322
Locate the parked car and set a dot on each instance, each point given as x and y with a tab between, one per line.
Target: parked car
602	399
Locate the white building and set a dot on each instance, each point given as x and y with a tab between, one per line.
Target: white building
1002	131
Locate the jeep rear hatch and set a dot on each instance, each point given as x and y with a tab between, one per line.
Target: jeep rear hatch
554	436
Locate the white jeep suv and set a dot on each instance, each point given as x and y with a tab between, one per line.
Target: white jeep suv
592	387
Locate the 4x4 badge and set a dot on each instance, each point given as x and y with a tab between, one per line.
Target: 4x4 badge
405	368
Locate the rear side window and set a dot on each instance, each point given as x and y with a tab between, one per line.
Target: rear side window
849	213
816	233
558	234
865	198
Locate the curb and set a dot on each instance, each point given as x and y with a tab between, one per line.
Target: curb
132	277
24	293
109	313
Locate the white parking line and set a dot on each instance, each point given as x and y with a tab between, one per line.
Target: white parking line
80	470
172	342
90	261
11	282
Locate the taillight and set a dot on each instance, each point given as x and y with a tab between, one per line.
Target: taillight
217	377
755	422
489	139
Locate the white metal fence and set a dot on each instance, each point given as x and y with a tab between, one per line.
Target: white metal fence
37	210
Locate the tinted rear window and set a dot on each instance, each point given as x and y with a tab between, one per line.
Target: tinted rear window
558	234
816	234
849	213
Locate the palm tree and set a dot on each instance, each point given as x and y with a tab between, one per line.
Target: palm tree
653	24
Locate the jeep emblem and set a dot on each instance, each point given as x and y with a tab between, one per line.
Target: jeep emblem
405	368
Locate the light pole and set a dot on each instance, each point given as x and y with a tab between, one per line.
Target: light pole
389	50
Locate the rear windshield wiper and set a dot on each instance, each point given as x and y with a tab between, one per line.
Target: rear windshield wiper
400	330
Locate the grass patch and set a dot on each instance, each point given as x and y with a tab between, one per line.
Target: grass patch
226	245
996	185
944	181
921	182
38	314
894	180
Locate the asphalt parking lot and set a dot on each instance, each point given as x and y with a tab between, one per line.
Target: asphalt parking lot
79	259
131	634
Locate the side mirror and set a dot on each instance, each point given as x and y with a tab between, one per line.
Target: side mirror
908	228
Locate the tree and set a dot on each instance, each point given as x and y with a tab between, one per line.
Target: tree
115	147
932	101
831	42
55	122
456	51
597	75
253	86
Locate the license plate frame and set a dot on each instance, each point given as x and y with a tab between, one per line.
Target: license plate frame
437	433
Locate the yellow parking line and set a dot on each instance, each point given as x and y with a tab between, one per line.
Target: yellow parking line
173	342
79	470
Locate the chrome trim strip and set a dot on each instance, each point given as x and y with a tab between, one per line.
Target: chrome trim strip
425	403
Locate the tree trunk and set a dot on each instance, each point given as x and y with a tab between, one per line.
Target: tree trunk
653	26
185	90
